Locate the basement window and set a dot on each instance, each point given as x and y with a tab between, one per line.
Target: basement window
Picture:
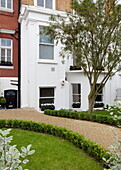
46	96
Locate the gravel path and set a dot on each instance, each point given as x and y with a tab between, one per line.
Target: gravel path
100	133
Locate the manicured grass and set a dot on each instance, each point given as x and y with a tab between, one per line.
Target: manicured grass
105	112
52	153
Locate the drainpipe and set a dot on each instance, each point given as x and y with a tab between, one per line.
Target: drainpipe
19	57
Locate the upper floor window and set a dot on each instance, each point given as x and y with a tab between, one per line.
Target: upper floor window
6	4
5	51
45	3
46	46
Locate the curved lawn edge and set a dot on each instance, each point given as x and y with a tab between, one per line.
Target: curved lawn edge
84	116
94	150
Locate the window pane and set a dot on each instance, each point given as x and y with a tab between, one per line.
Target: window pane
2	52
46	52
9	4
76	88
99	98
8	43
40	3
45	38
101	91
76	98
8	53
3	42
3	3
48	4
45	101
46	92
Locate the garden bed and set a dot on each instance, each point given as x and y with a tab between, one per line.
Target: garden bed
94	150
100	116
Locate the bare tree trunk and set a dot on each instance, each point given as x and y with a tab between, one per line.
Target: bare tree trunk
91	101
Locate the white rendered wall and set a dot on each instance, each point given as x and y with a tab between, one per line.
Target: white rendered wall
36	73
5	84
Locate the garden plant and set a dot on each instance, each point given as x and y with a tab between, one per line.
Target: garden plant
10	157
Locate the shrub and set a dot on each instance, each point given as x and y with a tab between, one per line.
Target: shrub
84	116
76	105
97	105
2	100
10	157
50	107
114	162
93	149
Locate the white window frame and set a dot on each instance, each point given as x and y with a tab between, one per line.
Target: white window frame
6	47
46	44
5	8
76	94
53	7
47	97
100	94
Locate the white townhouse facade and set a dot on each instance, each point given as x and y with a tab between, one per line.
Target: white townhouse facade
44	78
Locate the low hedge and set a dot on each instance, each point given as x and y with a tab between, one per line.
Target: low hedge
84	116
90	147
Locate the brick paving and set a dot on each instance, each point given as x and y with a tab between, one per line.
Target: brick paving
100	133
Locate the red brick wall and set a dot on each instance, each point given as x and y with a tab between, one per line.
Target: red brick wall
61	5
10	21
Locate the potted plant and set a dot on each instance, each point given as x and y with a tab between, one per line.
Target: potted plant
75	68
5	63
98	105
47	106
76	105
2	102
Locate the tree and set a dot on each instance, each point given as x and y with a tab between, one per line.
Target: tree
93	36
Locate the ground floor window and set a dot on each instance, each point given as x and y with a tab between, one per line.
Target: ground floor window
76	95
99	98
46	98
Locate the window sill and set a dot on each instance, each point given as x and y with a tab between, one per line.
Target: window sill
6	10
6	67
47	62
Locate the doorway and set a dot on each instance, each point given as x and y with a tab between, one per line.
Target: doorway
11	98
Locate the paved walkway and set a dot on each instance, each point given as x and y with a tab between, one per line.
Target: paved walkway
100	133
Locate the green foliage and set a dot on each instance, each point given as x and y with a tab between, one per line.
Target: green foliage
53	153
93	149
50	106
114	162
10	157
99	105
92	36
2	100
84	116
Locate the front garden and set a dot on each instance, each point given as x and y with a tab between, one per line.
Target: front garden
101	116
52	153
91	148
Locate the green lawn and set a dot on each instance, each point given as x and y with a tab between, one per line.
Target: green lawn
106	113
52	153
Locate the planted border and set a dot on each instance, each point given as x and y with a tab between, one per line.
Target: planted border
84	116
90	147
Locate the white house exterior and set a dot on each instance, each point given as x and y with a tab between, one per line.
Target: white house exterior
48	80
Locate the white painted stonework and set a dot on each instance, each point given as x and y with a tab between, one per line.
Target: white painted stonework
5	84
37	73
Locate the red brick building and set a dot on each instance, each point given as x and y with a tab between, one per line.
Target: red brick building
9	51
